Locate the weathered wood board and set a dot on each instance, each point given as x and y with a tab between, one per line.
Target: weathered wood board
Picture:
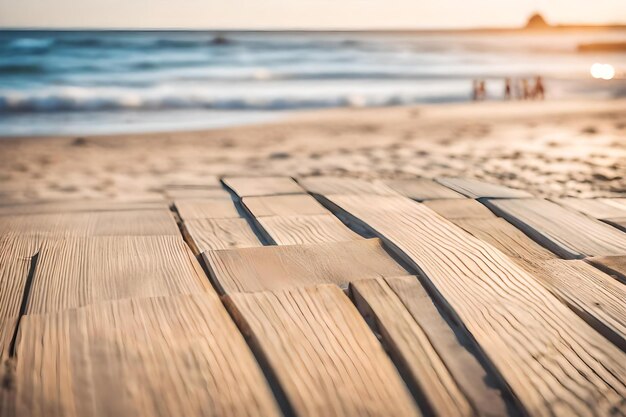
298	230
282	267
74	272
192	209
422	189
179	355
196	193
539	346
617	222
479	189
596	208
411	349
322	353
283	205
257	186
460	209
82	205
616	202
103	223
565	232
211	234
613	265
344	185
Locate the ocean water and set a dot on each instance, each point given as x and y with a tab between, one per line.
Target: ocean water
105	82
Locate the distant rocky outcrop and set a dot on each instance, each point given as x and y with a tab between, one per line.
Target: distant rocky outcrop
537	21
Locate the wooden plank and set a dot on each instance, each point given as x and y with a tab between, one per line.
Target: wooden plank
343	185
563	231
161	356
411	350
615	202
283	205
612	265
104	223
298	230
460	209
479	189
82	205
73	272
257	186
192	209
555	363
282	267
196	193
16	255
422	189
322	353
480	385
617	222
593	207
211	234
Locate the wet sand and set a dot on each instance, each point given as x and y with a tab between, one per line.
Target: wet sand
574	148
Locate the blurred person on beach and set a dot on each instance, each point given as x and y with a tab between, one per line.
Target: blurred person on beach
507	88
482	90
475	90
539	91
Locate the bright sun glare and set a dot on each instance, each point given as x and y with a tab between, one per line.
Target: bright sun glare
604	71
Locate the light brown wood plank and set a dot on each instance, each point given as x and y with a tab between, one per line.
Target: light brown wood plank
206	181
282	267
82	205
460	209
482	388
343	185
615	202
73	272
192	209
196	193
104	223
298	230
410	348
555	363
617	222
16	256
322	353
257	186
613	265
565	232
211	234
479	189
163	356
596	208
422	189
283	205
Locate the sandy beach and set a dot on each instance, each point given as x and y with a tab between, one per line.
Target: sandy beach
564	148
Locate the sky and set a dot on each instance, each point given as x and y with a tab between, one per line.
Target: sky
301	14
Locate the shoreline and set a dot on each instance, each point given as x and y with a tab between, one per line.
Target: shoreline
552	149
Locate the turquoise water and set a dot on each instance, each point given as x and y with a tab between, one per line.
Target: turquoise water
98	82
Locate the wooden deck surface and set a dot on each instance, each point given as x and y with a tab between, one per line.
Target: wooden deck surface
319	296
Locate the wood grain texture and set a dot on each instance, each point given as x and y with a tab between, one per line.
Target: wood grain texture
410	348
343	185
480	385
479	189
82	205
257	186
283	205
565	232
593	207
192	209
282	267
16	255
211	234
197	193
73	272
322	353
594	296
460	209
613	265
298	230
163	356
615	202
617	222
105	223
422	189
555	363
